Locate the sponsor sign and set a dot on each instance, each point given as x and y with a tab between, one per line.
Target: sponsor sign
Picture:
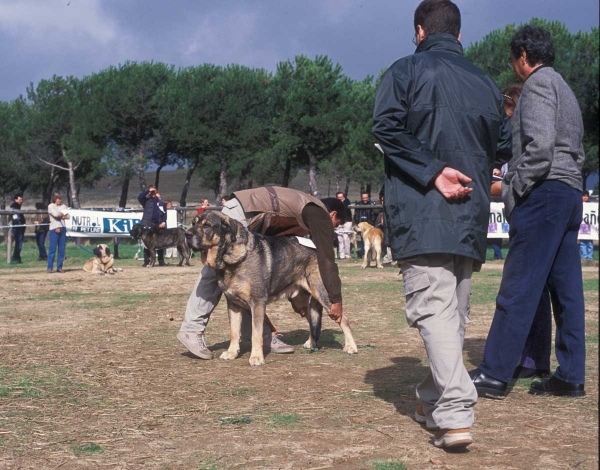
86	223
498	226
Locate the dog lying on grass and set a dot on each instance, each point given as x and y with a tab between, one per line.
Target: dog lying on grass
159	238
254	270
102	263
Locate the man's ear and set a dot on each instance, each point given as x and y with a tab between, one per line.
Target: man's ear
459	36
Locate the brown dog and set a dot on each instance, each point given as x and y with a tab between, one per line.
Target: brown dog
102	263
253	270
372	239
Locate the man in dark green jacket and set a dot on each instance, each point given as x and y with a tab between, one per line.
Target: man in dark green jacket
441	124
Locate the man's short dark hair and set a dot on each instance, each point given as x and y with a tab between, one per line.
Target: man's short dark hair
365	192
333	204
438	17
18	195
586	193
536	43
340	192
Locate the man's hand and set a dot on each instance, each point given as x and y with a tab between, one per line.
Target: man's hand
161	225
336	312
449	182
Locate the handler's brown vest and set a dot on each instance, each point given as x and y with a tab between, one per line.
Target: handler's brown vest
273	206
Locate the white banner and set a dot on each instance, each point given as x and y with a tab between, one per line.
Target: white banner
100	224
498	226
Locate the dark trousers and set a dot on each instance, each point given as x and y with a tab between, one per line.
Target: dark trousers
18	236
537	349
40	241
497	247
543	248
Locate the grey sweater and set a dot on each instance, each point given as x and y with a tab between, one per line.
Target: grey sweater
547	133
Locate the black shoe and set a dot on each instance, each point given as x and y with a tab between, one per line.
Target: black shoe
557	388
487	387
145	265
528	373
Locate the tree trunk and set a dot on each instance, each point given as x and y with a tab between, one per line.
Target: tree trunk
157	177
312	174
287	173
141	167
223	178
124	191
73	196
347	188
188	178
368	189
584	176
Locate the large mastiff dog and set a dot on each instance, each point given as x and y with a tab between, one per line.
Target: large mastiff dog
159	238
102	263
254	270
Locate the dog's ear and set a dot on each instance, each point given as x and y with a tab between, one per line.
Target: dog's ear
235	250
107	251
196	219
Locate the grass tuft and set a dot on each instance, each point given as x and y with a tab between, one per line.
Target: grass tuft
389	466
91	448
281	420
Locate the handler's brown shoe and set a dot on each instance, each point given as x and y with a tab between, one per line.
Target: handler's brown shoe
196	344
271	343
453	438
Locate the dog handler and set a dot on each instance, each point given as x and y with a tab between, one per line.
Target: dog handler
270	211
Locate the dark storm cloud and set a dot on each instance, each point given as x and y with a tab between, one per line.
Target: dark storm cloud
41	38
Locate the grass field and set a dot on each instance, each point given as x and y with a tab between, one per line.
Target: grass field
92	376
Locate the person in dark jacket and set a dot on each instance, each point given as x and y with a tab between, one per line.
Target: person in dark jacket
18	230
151	217
441	125
364	215
42	225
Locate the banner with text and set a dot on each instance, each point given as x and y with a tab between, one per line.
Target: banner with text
85	223
498	226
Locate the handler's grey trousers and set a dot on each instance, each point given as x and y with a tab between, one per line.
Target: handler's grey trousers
437	289
206	293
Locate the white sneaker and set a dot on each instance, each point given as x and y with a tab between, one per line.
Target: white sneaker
196	344
271	343
453	438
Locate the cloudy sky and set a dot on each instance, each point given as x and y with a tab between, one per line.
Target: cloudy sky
41	38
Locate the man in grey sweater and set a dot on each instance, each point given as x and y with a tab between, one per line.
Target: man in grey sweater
542	193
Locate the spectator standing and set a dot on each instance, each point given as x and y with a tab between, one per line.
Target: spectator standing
542	194
18	229
57	213
344	238
586	247
364	215
41	222
437	233
151	218
203	205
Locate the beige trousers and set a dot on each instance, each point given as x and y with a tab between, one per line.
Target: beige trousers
437	289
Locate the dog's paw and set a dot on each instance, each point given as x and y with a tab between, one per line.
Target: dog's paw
257	361
364	266
229	355
380	267
310	344
350	349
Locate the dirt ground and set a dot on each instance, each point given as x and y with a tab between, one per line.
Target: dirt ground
92	376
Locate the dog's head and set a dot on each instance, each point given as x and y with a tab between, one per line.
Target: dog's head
102	252
362	227
220	239
136	231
